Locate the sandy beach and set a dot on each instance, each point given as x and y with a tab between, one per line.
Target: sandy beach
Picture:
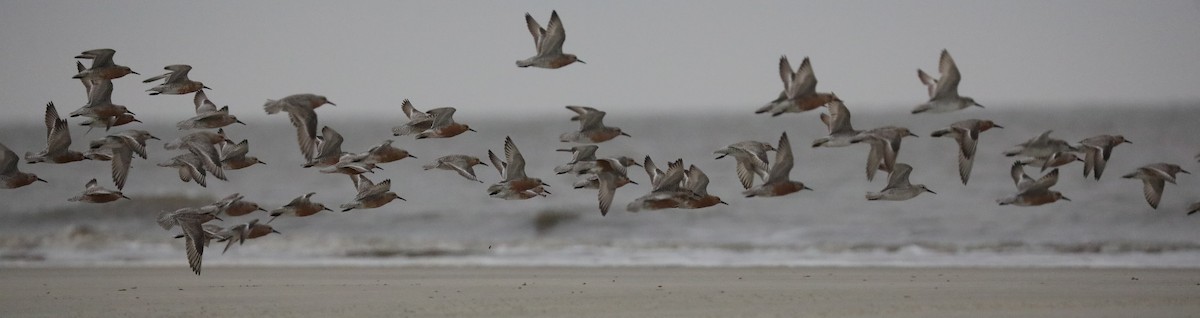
598	292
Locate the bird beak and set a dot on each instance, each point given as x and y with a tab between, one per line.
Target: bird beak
633	182
276	231
719	157
543	183
564	150
1184	171
723	202
206	87
1066	198
997	126
131	71
807	188
126	198
326	209
155	138
42	180
580	61
1128	142
977	104
401	199
238	121
135	119
914	135
637	164
484	164
261	209
930	191
626	135
217	218
264	163
129	112
331	103
472	130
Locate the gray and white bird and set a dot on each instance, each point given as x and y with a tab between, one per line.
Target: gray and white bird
122	146
779	182
885	146
1154	178
591	127
943	92
799	90
841	132
1041	146
1096	152
301	112
191	220
176	81
102	67
462	164
208	116
751	157
898	187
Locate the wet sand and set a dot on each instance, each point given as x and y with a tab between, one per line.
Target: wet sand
598	292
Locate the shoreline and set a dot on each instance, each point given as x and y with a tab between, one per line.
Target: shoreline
454	291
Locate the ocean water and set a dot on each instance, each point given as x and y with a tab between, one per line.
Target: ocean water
449	220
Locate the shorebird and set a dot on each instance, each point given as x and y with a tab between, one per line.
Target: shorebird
1032	192
100	103
300	109
370	195
609	173
191	220
435	123
102	66
208	116
1058	159
549	43
898	187
1153	178
838	122
328	149
591	127
385	153
108	122
885	145
58	141
351	164
235	205
513	170
211	232
1097	150
176	83
10	177
94	193
190	166
204	145
778	181
233	157
579	156
966	133
667	192
242	232
697	182
463	164
751	159
301	206
943	92
1040	146
799	90
122	146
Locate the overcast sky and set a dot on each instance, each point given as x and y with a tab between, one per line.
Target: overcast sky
643	56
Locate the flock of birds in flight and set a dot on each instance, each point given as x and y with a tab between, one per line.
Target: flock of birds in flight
205	152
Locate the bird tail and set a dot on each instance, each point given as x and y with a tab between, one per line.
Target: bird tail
874	196
272	106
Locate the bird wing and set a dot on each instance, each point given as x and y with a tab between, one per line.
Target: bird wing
839	117
203	104
948	84
331	143
697	181
515	167
441	117
783	161
804	82
899	177
785	74
536	31
122	156
554	37
1153	190
305	120
929	82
